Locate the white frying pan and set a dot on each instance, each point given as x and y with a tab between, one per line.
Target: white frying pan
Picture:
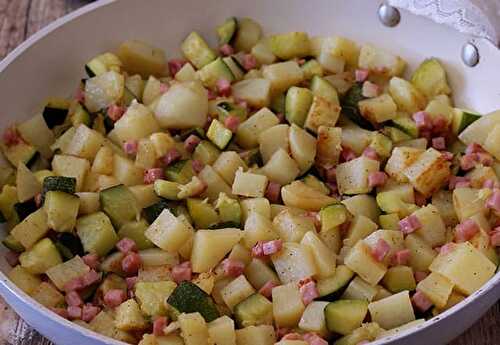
49	63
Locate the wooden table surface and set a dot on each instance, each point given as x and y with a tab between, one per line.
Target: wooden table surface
19	19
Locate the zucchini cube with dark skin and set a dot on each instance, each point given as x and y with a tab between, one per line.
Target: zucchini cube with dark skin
96	233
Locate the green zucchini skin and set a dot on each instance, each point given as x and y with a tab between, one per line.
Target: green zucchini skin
189	298
152	212
24	209
58	183
350	106
119	204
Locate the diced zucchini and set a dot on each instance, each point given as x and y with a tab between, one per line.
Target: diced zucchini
152	212
344	316
119	204
36	132
135	231
41	257
219	134
247	35
23	210
202	213
96	233
55	111
11	243
151	296
80	116
206	152
381	144
253	311
70	166
167	189
396	134
62	210
350	106
312	69
378	109
102	63
180	172
430	78
215	71
169	232
333	216
225	109
389	221
227	30
24	280
290	45
189	298
297	104
399	278
47	295
196	50
262	335
314	182
360	290
407	125
229	210
462	119
128	317
58	183
31	229
321	87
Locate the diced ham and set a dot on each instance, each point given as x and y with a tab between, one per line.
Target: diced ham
91	277
197	165
447	155
281	117
11	136
267	289
423	120
130	147
273	192
292	336
308	292
447	248
158	325
131	281
126	245
80	95
420	275
466	230
495	237
370	153
484	158
113	298
191	142
223	87
489	183
226	50
420	199
347	154
314	339
439	143
381	249
272	247
211	95
182	272
282	331
361	74
91	260
377	178
301	61
473	148
172	155
174	65
409	224
232	123
458	182
163	88
467	162
74	312
131	263
62	312
439	125
420	301
258	250
401	257
233	268
493	201
331	175
151	175
12	258
249	62
90	311
73	299
304	281
115	112
38	200
370	90
74	284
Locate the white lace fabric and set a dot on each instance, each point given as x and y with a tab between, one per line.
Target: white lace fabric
479	18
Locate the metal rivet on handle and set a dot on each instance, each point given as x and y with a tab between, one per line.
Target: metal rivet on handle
470	54
388	15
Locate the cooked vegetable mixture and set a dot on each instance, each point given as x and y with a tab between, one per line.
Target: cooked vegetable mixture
280	189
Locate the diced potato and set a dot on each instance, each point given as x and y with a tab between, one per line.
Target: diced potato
103	90
257	228
194	329
140	57
479	174
468	202
85	143
406	96
31	229
144	194
313	318
360	260
294	262
103	161
168	232
492	142
378	109
27	184
437	288
256	92
290	45
227	164
262	335
282	75
292	227
47	295
263	53
258	205
421	253
241	253
359	228
36	132
96	233
324	259
24	280
380	62
61	209
236	291
433	230
328	58
248	184
211	246
215	183
344	48
429	172
399	278
464	266
356	138
138	122
61	274
249	131
129	317
329	145
478	131
430	78
352	176
364	205
272	139
151	296
298	194
393	311
259	273
104	324
162	143
401	158
281	168
70	166
146	154
443	201
287	305
321	113
222	331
